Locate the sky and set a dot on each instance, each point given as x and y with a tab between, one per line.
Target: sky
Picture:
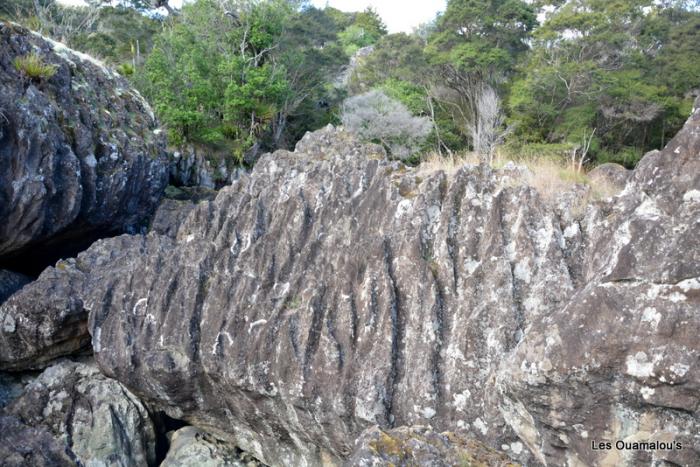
398	15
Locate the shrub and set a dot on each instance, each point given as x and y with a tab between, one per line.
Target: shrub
126	69
377	118
34	67
627	156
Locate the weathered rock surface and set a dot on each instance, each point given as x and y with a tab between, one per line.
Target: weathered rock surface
27	446
191	446
420	446
614	174
11	282
621	361
44	320
71	414
80	152
170	215
329	291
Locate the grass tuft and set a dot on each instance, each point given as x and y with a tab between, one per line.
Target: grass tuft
34	67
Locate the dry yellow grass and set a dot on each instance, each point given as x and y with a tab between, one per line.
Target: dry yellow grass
434	162
549	176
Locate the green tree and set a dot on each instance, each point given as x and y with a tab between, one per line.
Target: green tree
313	58
366	29
608	67
211	75
474	48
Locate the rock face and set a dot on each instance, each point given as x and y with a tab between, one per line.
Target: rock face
329	291
80	152
70	415
621	360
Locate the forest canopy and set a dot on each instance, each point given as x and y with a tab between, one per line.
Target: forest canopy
597	80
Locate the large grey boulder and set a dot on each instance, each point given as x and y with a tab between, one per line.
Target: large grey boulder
81	154
71	414
329	291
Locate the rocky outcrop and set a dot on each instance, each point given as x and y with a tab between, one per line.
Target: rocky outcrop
331	290
11	282
619	363
328	291
81	154
70	415
420	446
190	446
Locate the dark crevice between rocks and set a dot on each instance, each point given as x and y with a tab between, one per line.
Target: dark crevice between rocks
436	358
12	385
452	233
163	425
318	308
33	259
397	331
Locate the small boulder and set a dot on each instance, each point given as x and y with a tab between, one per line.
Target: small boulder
44	320
71	414
170	215
612	174
192	446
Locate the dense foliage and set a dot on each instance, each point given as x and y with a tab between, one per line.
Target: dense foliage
624	70
596	80
603	80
